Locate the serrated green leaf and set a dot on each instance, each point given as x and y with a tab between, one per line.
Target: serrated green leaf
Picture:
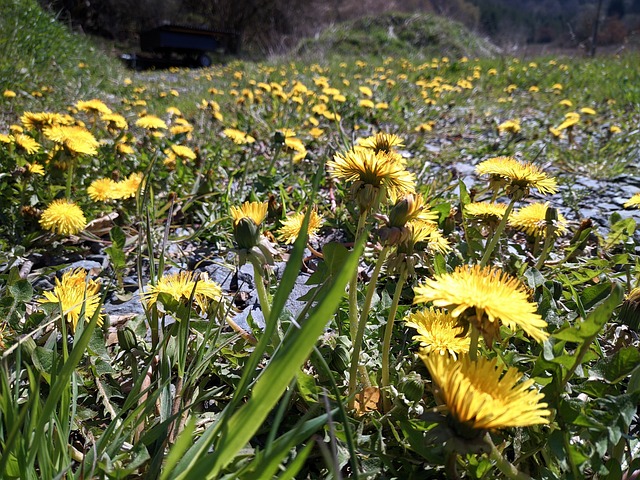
593	294
21	291
616	368
534	278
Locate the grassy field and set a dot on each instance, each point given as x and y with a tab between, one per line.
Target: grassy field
448	329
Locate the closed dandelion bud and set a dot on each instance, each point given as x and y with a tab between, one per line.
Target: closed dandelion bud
412	386
127	339
341	360
246	233
278	138
630	311
400	212
365	195
391	235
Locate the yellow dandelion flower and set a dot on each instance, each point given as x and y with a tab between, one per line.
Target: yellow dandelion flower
35	169
255	211
438	332
75	139
587	111
556	132
510	126
103	189
532	220
115	121
520	175
485	210
9	94
151	122
484	295
614	129
180	286
381	142
369	173
366	103
96	107
246	223
39	120
316	132
571	119
534	89
411	207
63	217
128	188
238	136
633	201
26	143
479	397
125	148
291	226
424	127
565	103
366	91
73	292
7	139
180	126
183	151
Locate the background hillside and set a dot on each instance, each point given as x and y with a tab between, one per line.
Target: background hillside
273	26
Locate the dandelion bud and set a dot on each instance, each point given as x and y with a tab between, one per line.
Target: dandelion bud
412	386
630	311
278	138
127	339
401	212
365	195
246	233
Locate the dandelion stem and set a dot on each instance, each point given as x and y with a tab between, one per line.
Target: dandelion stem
548	242
353	285
388	332
67	192
496	235
473	346
245	172
258	278
362	322
503	464
273	160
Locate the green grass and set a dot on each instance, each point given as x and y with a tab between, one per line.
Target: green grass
46	64
398	35
196	397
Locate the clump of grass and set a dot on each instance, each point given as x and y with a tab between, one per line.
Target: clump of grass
47	64
399	34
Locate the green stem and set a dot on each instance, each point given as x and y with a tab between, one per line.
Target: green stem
473	346
353	285
245	172
497	234
273	160
69	178
258	279
362	322
503	464
548	242
388	333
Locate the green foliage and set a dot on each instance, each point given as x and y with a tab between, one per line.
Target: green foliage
396	34
183	391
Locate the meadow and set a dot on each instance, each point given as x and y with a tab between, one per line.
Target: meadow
458	318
